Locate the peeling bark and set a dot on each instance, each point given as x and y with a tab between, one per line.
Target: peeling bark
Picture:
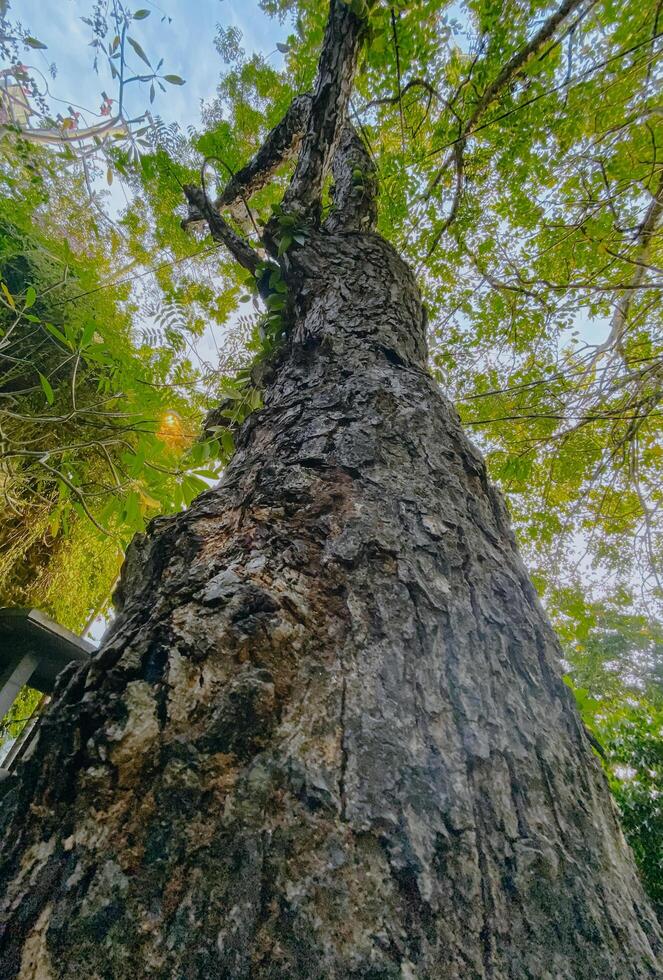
327	737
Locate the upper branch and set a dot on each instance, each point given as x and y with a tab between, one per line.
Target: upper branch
520	59
510	70
312	126
355	185
281	144
336	70
620	317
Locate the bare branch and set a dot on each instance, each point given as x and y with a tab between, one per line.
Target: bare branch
220	230
520	59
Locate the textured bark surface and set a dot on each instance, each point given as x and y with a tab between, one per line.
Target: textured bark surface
328	736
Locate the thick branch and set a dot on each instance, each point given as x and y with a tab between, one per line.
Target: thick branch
310	126
336	70
220	230
280	145
355	185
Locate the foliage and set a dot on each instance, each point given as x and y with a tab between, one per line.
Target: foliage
616	671
518	166
97	426
24	706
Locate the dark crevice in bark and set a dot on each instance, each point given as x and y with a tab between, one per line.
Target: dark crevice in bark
342	791
517	796
486	934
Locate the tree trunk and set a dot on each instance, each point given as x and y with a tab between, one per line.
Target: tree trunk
327	737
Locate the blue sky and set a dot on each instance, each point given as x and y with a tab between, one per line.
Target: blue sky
186	45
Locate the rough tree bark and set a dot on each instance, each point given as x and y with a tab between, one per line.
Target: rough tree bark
327	737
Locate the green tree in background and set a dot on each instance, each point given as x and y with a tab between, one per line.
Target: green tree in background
616	670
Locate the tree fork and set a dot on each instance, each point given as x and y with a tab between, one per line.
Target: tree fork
327	735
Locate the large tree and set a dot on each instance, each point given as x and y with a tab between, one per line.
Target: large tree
327	735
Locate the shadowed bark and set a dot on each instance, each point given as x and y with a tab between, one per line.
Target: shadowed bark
327	736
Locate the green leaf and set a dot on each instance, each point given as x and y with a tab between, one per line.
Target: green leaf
227	442
284	244
30	297
57	333
276	301
88	333
32	42
46	386
174	80
141	14
139	51
132	512
8	295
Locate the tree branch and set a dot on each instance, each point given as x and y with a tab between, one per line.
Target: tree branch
281	144
220	230
311	125
520	59
336	69
619	322
398	77
355	185
506	75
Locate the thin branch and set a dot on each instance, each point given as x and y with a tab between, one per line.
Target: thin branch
619	322
398	76
77	493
